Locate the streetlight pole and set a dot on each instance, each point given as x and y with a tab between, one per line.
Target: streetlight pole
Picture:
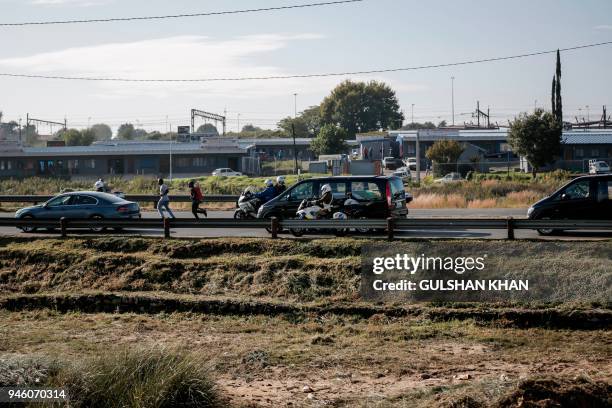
295	105
238	123
453	97
412	113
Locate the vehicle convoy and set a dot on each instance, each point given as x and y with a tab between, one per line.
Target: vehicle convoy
584	198
380	197
247	205
79	205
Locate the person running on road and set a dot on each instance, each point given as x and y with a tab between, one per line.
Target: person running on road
164	200
267	194
280	185
99	185
196	198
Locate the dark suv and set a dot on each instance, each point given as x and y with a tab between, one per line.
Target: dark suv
385	194
584	198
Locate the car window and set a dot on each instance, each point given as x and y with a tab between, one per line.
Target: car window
397	188
58	201
85	200
363	190
302	191
338	189
604	190
577	190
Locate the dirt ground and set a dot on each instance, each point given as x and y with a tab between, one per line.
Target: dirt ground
329	360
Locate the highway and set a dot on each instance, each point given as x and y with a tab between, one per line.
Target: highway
416	213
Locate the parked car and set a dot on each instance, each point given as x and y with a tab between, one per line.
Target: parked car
385	193
598	167
226	172
450	178
411	162
391	163
91	205
588	197
403	173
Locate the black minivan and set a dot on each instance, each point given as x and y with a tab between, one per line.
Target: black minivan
584	198
385	194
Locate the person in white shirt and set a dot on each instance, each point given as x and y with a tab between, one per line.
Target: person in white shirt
164	200
99	185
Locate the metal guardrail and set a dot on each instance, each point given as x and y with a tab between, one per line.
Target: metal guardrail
139	198
274	225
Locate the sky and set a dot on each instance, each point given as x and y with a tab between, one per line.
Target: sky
368	35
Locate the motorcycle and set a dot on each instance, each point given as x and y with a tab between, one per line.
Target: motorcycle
308	211
247	205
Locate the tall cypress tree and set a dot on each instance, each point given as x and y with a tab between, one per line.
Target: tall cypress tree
558	101
553	97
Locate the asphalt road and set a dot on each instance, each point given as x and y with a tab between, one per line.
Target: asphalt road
422	213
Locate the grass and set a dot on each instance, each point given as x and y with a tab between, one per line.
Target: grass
128	377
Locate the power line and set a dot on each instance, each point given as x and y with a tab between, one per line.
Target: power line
320	75
214	13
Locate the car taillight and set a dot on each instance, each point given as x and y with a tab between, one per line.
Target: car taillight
388	193
123	209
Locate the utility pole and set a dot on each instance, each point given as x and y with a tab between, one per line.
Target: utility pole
295	105
412	114
295	163
588	114
238	123
453	97
20	129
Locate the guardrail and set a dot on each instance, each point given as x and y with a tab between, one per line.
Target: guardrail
274	225
139	198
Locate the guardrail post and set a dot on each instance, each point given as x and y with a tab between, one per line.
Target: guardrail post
166	227
63	227
274	227
390	228
510	227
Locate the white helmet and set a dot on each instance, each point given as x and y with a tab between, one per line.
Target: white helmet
269	183
280	179
325	188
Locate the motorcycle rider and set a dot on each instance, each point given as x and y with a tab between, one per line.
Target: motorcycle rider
280	185
268	193
325	201
99	185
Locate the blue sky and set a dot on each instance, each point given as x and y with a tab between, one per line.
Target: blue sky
368	35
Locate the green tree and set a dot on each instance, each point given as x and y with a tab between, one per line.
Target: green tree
102	131
208	128
75	137
30	135
250	128
537	137
442	124
126	131
558	101
301	129
417	125
330	140
362	107
444	151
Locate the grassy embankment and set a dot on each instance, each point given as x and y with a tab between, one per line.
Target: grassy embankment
263	319
482	191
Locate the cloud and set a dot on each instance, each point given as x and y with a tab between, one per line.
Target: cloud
604	27
188	57
73	3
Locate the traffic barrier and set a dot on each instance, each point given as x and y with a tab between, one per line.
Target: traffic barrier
389	225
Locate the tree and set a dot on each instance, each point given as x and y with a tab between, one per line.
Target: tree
537	137
208	128
417	125
31	135
442	124
75	137
307	123
444	151
102	131
250	128
555	94
126	131
330	140
362	107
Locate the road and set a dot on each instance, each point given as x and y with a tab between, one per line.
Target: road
416	213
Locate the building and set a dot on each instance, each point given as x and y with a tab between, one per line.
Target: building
148	158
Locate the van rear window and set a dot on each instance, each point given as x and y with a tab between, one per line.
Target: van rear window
397	186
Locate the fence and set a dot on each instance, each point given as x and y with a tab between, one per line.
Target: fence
389	225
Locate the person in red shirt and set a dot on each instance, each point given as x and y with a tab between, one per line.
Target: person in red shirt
196	198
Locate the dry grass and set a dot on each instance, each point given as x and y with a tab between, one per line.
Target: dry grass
432	200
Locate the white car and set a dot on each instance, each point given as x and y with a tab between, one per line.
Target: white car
450	178
411	162
403	173
226	172
598	167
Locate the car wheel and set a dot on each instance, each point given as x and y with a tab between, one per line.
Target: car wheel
547	231
96	218
27	229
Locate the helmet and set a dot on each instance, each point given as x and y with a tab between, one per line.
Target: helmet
280	179
326	188
269	183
